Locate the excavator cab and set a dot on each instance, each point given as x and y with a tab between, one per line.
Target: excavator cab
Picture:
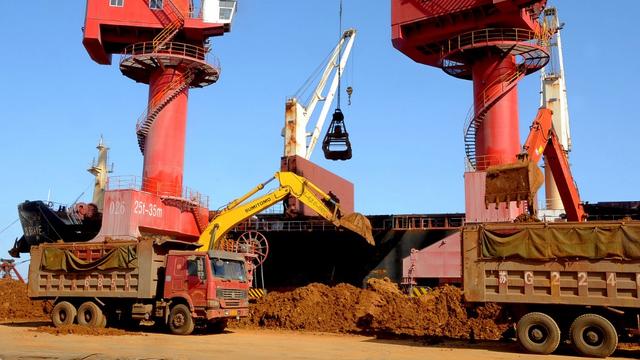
336	144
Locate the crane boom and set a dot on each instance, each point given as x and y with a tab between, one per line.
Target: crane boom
290	185
554	96
297	115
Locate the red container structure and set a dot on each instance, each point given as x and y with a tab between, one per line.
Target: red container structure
341	188
495	43
162	43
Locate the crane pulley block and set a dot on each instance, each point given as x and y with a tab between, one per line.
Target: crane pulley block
336	144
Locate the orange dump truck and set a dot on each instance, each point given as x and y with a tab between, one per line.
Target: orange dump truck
560	281
150	281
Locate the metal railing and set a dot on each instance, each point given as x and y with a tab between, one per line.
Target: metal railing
483	102
132	182
285	225
418	222
171	48
484	161
493	35
176	85
399	222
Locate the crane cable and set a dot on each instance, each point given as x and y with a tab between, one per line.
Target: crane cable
339	54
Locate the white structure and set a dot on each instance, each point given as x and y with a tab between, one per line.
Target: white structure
297	116
554	97
100	170
218	11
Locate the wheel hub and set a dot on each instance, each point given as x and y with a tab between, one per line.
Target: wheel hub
178	320
537	334
593	336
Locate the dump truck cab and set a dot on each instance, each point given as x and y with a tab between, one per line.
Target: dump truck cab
213	284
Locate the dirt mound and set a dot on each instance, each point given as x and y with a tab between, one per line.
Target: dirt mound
82	330
380	309
15	304
526	218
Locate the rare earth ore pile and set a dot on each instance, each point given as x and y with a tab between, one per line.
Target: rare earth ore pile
380	309
15	304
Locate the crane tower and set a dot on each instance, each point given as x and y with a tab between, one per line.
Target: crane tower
494	43
165	44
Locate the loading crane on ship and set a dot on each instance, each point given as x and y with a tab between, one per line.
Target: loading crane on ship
553	95
297	139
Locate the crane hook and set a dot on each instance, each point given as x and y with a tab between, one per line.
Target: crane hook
349	92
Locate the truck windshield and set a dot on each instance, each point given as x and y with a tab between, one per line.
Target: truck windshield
228	269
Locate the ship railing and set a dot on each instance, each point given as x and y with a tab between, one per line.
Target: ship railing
413	222
284	225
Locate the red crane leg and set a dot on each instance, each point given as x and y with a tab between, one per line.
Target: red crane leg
164	148
497	138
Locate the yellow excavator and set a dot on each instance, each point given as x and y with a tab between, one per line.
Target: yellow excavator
290	185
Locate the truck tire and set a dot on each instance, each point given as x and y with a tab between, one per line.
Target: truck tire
64	313
180	320
538	333
217	326
593	335
103	323
89	314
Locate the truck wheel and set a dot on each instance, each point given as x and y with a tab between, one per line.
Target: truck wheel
180	320
593	335
103	323
538	333
217	326
64	313
89	314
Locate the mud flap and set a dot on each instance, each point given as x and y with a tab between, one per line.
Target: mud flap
359	224
513	182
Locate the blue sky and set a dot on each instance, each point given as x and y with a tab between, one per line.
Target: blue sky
405	122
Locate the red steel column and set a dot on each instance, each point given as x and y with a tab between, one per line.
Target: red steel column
164	146
498	138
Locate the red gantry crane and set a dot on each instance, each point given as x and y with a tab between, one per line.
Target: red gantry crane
165	44
494	43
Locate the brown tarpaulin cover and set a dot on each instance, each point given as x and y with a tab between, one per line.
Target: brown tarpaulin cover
123	257
590	242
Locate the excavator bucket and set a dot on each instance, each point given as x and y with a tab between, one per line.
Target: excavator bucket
359	224
513	182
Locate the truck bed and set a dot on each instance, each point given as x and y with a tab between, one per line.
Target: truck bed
139	281
597	279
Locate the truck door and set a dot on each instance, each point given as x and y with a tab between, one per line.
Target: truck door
196	281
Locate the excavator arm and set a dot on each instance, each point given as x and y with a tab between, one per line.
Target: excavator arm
521	180
290	185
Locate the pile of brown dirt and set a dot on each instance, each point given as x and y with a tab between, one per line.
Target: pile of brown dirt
526	218
15	304
380	309
83	330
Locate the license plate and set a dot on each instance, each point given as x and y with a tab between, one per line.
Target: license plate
233	312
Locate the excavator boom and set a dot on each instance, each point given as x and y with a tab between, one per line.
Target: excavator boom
522	179
290	185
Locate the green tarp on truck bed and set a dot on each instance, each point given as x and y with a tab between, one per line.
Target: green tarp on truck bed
544	242
123	257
